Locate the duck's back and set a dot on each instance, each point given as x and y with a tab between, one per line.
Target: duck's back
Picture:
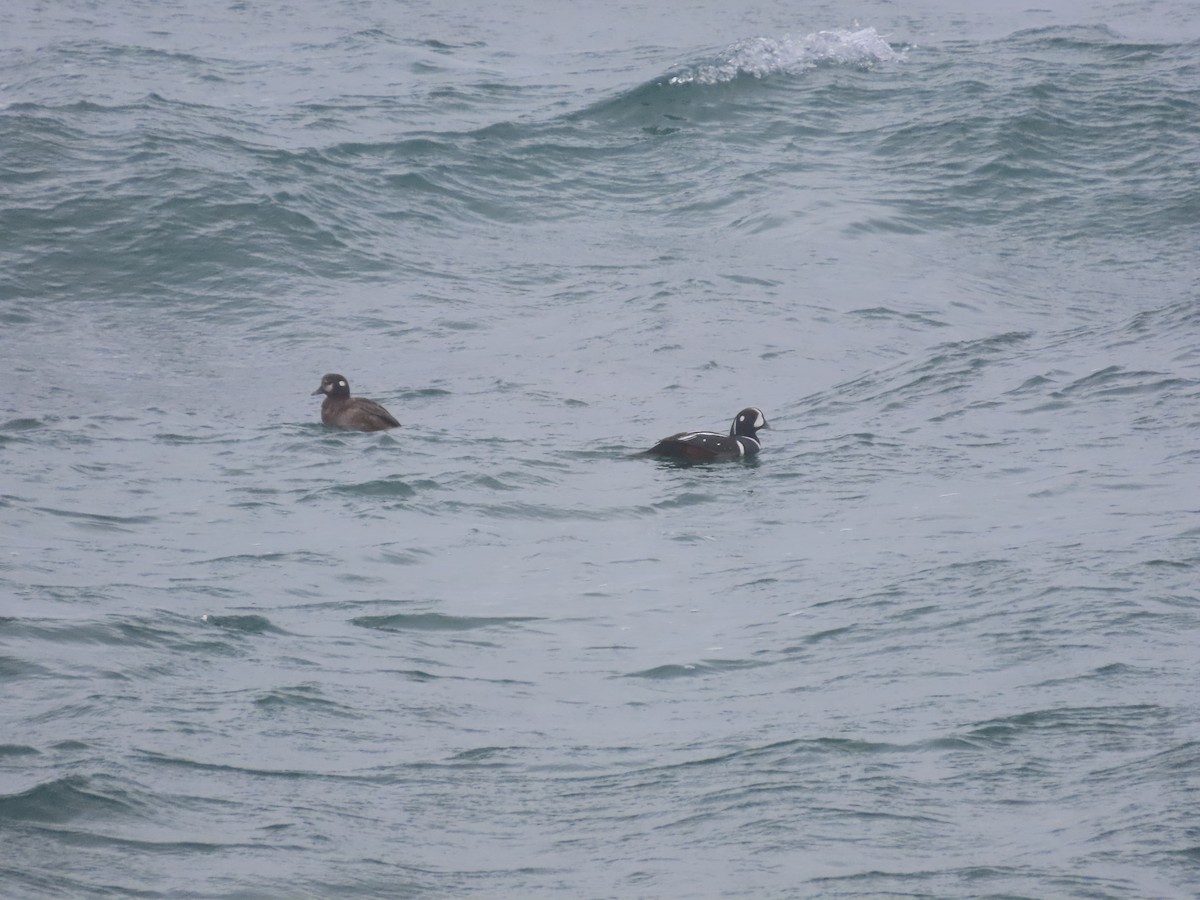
356	414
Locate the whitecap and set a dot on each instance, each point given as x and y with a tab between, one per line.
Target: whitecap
763	56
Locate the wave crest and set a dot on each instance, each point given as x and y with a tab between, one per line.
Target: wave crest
762	56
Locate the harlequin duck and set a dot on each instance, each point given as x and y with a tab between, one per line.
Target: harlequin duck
340	410
708	446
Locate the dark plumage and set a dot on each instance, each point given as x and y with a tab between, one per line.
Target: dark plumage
709	446
340	410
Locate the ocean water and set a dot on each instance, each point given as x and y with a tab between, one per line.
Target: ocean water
941	639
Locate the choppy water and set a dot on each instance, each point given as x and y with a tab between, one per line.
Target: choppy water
940	640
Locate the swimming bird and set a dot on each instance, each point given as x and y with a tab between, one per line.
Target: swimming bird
340	410
709	446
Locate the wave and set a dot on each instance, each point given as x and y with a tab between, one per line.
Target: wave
437	622
65	799
762	57
691	670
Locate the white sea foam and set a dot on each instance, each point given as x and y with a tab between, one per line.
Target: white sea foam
763	56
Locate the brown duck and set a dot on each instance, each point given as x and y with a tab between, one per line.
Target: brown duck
340	410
